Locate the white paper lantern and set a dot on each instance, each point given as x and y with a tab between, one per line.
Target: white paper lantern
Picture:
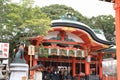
75	53
88	59
58	51
49	51
83	53
67	52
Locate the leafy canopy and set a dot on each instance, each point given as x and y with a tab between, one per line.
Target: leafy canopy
24	20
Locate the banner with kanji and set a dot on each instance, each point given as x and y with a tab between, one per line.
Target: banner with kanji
4	50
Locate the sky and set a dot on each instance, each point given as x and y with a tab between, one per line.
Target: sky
87	8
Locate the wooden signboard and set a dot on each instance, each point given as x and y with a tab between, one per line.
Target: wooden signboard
31	50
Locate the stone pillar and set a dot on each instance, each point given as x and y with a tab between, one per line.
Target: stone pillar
19	71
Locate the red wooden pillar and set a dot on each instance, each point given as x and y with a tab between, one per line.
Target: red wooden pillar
87	68
100	65
117	11
74	66
33	72
78	77
34	62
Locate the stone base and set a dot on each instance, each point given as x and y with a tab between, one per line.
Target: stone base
19	71
1	75
38	75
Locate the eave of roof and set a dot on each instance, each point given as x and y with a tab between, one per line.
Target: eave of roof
79	25
109	50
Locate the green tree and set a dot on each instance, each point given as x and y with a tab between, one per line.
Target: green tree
21	20
55	11
106	23
28	20
3	12
24	20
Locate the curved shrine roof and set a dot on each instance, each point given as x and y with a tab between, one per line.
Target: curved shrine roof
79	25
65	33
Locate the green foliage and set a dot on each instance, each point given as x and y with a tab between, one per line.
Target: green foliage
106	23
27	20
24	21
19	21
55	11
3	19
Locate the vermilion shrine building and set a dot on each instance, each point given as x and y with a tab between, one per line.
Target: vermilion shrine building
71	44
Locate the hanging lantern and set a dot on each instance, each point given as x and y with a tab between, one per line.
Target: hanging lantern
75	53
88	59
67	52
58	51
83	53
49	51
